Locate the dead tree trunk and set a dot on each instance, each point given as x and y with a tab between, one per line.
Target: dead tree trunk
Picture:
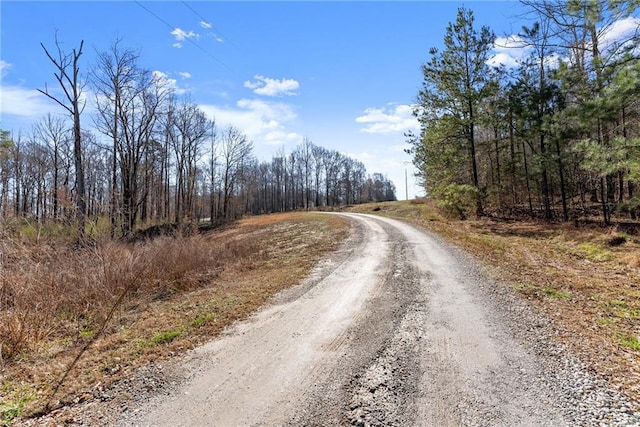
67	75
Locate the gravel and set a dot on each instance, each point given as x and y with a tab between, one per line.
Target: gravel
436	342
584	397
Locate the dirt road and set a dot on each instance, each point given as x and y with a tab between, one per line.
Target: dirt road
397	328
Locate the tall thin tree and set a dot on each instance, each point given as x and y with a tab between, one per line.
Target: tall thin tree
68	77
454	85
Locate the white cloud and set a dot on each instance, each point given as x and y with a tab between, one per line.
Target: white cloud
263	122
181	35
513	41
23	102
273	87
505	59
4	67
509	51
512	50
185	75
269	110
205	24
396	118
281	137
553	60
620	32
167	81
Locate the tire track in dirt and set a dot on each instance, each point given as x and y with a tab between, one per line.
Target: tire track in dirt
393	332
257	372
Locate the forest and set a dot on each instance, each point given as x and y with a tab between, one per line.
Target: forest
553	134
148	157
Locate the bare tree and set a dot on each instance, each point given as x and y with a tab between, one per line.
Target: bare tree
305	156
53	132
189	129
319	157
129	104
279	169
212	168
332	166
235	150
115	74
68	76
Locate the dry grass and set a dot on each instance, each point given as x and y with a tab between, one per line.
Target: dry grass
586	279
178	292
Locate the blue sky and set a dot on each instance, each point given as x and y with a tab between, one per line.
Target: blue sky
343	74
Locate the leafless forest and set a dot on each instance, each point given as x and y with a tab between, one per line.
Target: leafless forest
149	156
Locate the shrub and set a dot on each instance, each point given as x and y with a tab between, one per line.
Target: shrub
457	200
70	293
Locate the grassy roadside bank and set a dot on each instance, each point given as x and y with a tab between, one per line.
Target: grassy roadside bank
179	292
586	279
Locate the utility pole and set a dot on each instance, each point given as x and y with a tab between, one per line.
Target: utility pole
406	180
406	185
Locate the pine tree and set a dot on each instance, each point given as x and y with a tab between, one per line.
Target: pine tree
455	83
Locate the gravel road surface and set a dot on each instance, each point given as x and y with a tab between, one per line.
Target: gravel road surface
397	328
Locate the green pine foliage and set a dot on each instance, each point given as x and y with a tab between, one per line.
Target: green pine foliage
455	83
555	137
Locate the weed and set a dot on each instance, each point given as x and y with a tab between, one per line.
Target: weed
618	304
99	229
586	250
528	289
165	337
631	342
492	242
594	253
14	401
202	319
87	332
622	310
555	293
606	321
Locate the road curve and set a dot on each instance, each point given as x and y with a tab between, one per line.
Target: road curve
394	329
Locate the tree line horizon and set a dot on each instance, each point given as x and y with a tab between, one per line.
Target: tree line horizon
152	157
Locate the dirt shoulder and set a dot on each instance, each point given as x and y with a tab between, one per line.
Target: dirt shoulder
587	280
264	255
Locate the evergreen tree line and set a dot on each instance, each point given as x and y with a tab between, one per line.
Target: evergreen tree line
149	157
556	136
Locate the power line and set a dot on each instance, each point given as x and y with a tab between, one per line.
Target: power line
172	27
203	19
